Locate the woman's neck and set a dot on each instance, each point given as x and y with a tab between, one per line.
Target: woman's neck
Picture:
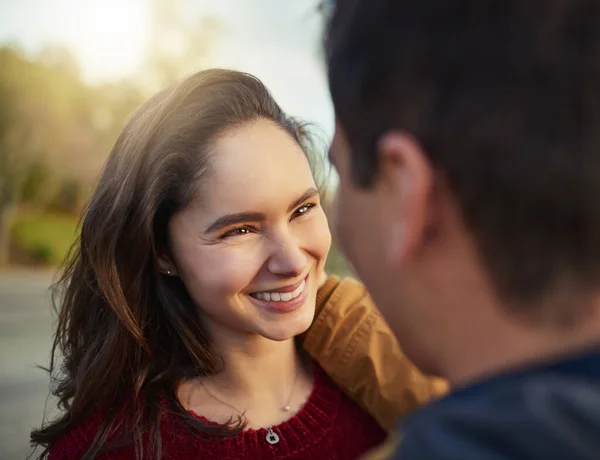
260	377
257	365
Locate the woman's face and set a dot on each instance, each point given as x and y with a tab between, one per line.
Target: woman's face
251	249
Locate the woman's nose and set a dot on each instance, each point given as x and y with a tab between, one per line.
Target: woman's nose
287	259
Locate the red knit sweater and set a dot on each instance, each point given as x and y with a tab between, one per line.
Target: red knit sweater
330	426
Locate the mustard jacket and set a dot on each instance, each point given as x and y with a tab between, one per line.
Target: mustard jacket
354	345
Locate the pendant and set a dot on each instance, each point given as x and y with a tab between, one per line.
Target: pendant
272	437
286	408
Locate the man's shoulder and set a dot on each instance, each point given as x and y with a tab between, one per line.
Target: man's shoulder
541	415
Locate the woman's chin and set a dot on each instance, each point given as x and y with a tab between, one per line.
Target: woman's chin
288	329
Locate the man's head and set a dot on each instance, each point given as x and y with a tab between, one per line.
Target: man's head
468	148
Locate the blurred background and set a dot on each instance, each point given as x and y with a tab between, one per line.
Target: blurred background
71	72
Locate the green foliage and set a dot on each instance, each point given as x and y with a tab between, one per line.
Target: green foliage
53	124
56	130
68	196
41	253
35	184
45	238
55	133
337	264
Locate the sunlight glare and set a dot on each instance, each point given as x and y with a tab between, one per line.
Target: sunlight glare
109	37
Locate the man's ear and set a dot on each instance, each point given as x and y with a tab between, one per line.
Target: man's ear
406	180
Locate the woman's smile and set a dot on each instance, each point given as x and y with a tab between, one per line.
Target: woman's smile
285	299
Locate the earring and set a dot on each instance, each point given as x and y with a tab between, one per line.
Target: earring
169	272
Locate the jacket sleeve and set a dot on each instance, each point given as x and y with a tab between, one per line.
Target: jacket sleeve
351	341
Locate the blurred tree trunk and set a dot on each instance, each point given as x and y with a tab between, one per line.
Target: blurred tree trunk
6	219
5	224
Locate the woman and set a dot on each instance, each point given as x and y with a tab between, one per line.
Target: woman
200	259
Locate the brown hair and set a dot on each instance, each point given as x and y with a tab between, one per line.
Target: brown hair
500	96
126	334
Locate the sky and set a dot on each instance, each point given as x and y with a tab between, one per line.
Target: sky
276	40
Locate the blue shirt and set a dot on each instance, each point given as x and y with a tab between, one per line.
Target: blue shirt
548	412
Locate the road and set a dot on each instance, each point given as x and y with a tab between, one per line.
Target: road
25	338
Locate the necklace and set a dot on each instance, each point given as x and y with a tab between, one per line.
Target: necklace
287	407
271	437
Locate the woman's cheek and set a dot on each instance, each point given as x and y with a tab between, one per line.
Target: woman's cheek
316	236
227	270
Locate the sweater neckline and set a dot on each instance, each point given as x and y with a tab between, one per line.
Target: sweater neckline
308	426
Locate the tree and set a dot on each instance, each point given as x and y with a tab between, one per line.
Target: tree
47	129
19	144
56	131
179	45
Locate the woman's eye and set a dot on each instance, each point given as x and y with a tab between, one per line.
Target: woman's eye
245	230
303	209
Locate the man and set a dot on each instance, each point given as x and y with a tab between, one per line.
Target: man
468	148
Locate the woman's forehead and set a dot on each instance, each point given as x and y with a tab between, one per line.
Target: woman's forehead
255	164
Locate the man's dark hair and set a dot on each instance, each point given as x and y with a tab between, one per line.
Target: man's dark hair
504	97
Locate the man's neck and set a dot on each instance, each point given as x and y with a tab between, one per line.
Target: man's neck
509	345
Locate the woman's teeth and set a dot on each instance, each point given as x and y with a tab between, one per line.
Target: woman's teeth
280	296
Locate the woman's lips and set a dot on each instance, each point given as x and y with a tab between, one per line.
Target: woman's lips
283	301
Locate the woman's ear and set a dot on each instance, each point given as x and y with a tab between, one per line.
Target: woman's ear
166	266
